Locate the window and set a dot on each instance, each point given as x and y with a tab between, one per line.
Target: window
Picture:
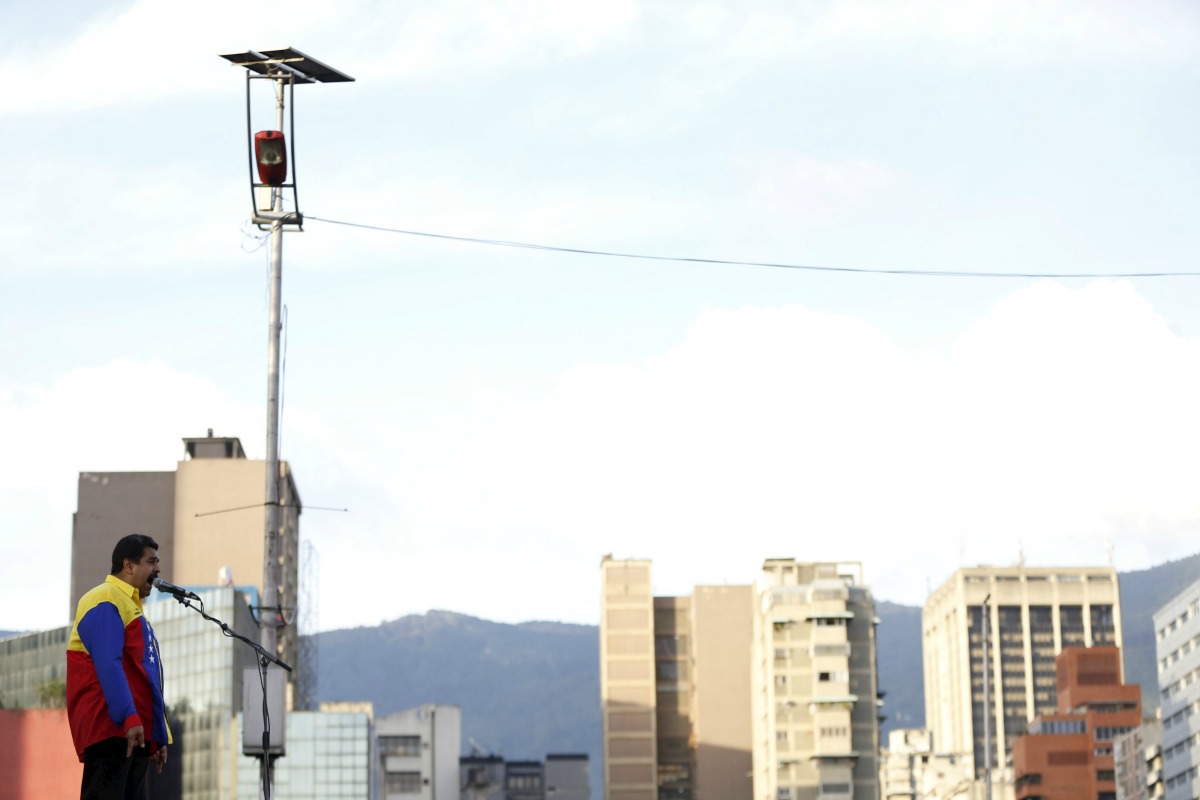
400	745
670	646
402	783
524	781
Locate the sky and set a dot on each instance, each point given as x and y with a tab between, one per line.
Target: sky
497	420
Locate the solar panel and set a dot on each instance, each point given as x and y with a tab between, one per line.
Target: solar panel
306	68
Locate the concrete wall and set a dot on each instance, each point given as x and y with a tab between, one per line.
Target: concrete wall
37	758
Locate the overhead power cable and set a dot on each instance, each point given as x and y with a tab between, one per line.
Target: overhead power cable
938	273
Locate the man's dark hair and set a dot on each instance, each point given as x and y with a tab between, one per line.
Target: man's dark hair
131	547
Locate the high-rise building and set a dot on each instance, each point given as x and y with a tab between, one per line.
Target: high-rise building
207	516
664	736
1068	754
697	706
627	681
1033	614
1177	645
816	708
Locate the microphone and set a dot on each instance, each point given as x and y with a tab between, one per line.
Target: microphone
170	588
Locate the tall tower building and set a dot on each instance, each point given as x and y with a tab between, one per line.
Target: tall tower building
1177	645
627	681
1033	613
816	712
207	515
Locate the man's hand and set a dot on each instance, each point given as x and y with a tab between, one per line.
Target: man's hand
160	758
136	737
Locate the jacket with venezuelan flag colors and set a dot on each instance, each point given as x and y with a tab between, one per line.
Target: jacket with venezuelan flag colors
114	672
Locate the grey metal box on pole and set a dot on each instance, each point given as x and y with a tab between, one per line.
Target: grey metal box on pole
252	711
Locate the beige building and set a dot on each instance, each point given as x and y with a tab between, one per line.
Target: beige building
1034	612
207	515
816	707
675	688
696	704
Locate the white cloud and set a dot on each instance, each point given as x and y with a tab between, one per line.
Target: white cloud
818	192
1060	422
157	49
122	416
978	31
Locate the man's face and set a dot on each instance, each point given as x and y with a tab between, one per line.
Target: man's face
143	573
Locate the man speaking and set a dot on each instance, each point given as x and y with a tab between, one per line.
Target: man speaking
114	678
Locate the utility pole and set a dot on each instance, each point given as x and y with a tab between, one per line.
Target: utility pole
987	703
268	160
271	614
268	156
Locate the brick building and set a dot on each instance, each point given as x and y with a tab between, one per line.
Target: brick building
1068	755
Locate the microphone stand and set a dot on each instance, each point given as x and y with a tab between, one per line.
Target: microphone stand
264	659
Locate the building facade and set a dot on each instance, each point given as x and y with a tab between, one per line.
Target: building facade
1177	646
562	776
207	516
911	769
696	705
627	681
567	776
1068	754
37	759
417	753
33	666
815	691
675	688
1137	761
328	758
1033	614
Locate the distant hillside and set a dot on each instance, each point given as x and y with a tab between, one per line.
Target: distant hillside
531	689
525	690
901	674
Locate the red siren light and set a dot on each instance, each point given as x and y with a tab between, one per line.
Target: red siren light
270	151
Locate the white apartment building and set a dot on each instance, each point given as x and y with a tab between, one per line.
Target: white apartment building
814	692
1177	645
